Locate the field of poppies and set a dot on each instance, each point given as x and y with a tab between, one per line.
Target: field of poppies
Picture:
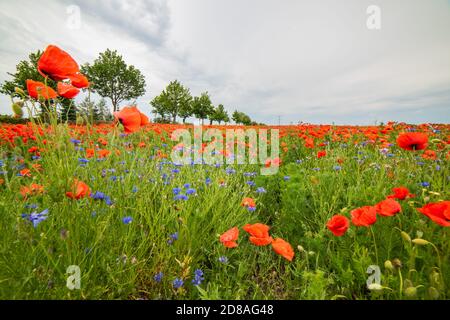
103	211
138	226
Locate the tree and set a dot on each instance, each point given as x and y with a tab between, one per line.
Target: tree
68	110
219	115
112	78
202	107
236	116
159	108
177	100
104	112
27	69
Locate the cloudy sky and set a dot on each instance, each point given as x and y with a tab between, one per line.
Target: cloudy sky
311	61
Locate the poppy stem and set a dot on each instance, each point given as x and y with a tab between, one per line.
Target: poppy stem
375	244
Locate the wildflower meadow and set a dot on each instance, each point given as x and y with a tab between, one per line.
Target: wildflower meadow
104	210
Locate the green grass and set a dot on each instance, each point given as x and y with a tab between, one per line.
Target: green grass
119	261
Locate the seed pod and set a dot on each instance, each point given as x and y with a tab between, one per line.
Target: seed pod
433	293
411	292
420	242
405	236
375	287
388	265
397	263
17	109
19	91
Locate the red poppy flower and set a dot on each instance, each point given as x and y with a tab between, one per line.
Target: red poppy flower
33	189
131	118
25	173
80	189
248	202
67	90
439	212
283	248
401	193
103	153
229	238
259	234
429	155
388	207
412	141
364	216
338	224
79	80
37	89
321	154
272	162
57	64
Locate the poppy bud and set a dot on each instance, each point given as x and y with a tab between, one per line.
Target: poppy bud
388	265
433	293
405	236
397	263
375	287
300	248
420	242
435	277
19	91
17	109
411	292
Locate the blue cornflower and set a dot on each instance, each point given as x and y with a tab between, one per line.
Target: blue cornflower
36	218
299	161
97	195
251	208
337	168
31	206
316	169
181	197
208	180
158	277
191	191
135	189
251	183
198	277
173	237
286	178
175	170
177	283
425	184
223	259
187	185
176	191
261	190
75	141
230	171
127	220
438	167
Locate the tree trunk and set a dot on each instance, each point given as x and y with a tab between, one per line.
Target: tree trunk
174	117
114	103
210	122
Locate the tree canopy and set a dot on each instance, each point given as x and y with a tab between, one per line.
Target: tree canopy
112	78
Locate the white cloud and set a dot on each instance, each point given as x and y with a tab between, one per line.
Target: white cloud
305	60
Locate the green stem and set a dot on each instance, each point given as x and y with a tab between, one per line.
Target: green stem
375	244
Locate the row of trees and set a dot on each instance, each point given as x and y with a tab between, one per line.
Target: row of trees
111	78
176	101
